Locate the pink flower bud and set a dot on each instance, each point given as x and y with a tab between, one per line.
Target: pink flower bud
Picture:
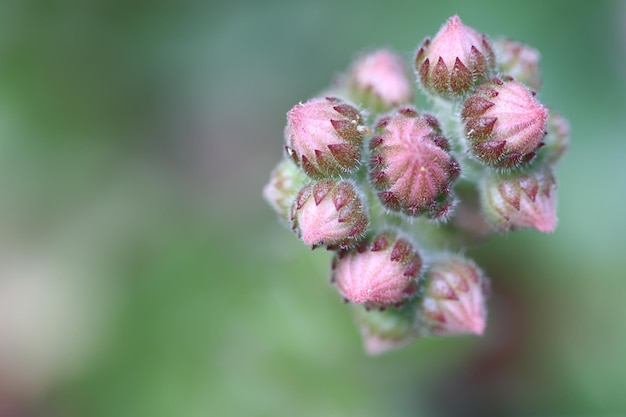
519	61
329	213
285	182
454	298
456	59
324	137
386	329
380	272
504	123
521	200
411	165
380	80
556	140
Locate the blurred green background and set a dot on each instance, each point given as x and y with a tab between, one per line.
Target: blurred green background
142	274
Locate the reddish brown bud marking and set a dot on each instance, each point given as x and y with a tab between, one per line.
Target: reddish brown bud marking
441	142
504	123
348	111
461	78
346	155
475	106
408	111
480	127
324	137
380	243
461	59
411	166
334	217
384	274
521	200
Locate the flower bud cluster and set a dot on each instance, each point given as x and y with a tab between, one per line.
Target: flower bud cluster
386	186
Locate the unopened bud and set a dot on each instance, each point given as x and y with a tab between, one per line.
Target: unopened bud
380	80
522	199
556	141
519	61
380	272
329	213
386	329
504	123
285	182
411	165
455	60
454	298
324	137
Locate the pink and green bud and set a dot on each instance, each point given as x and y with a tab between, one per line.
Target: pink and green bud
329	213
504	123
518	60
380	80
380	272
523	199
454	298
285	181
454	61
324	137
386	329
411	165
556	141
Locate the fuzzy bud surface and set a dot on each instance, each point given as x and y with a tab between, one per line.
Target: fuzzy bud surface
504	123
455	60
381	272
329	213
411	165
324	137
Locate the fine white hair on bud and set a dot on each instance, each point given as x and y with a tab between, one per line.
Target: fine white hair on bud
324	137
329	213
457	58
504	123
380	272
411	166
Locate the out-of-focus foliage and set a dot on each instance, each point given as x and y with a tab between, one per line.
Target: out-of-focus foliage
141	274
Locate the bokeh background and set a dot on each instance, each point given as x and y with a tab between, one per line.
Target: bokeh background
142	274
